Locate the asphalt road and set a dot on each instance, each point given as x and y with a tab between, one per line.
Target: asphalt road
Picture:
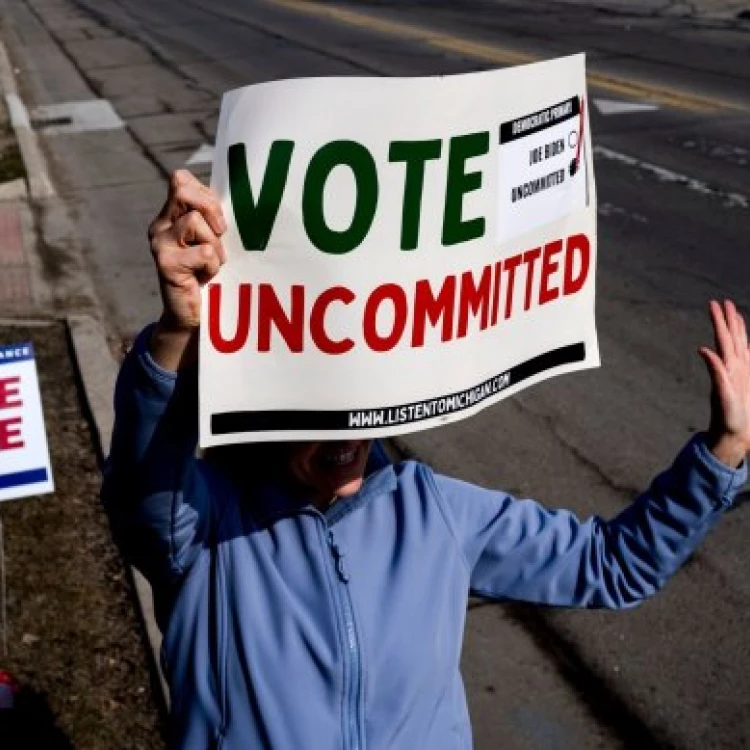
674	223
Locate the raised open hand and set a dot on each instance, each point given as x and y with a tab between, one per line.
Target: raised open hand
729	369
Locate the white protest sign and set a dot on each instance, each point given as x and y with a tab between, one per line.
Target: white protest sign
401	252
24	457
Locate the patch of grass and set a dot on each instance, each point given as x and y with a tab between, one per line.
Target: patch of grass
11	163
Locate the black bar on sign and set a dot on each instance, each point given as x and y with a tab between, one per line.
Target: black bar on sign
563	356
229	423
536	121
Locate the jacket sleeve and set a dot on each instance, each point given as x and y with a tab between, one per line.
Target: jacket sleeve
155	495
517	549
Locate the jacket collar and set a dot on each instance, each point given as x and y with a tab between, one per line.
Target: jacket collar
381	482
273	499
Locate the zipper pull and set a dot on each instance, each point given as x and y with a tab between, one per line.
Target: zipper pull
338	559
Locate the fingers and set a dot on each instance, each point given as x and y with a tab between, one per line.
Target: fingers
207	264
716	368
176	265
193	229
190	246
746	348
722	335
186	194
190	229
737	329
730	331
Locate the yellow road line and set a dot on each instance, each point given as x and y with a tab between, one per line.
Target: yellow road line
495	54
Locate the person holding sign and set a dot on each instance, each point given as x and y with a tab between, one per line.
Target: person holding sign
313	595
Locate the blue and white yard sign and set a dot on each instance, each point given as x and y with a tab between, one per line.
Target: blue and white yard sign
24	456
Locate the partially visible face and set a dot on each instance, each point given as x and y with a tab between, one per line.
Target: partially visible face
333	468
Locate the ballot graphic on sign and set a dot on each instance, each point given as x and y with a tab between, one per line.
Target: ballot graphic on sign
24	457
542	175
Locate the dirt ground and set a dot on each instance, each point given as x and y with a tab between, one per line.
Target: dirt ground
74	640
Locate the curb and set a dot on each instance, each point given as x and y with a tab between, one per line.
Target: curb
40	186
97	370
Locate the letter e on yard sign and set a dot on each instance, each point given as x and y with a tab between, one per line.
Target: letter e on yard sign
24	457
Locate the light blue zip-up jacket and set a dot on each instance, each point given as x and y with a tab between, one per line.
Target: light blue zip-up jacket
290	629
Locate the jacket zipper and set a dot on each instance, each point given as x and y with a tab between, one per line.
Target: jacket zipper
353	688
